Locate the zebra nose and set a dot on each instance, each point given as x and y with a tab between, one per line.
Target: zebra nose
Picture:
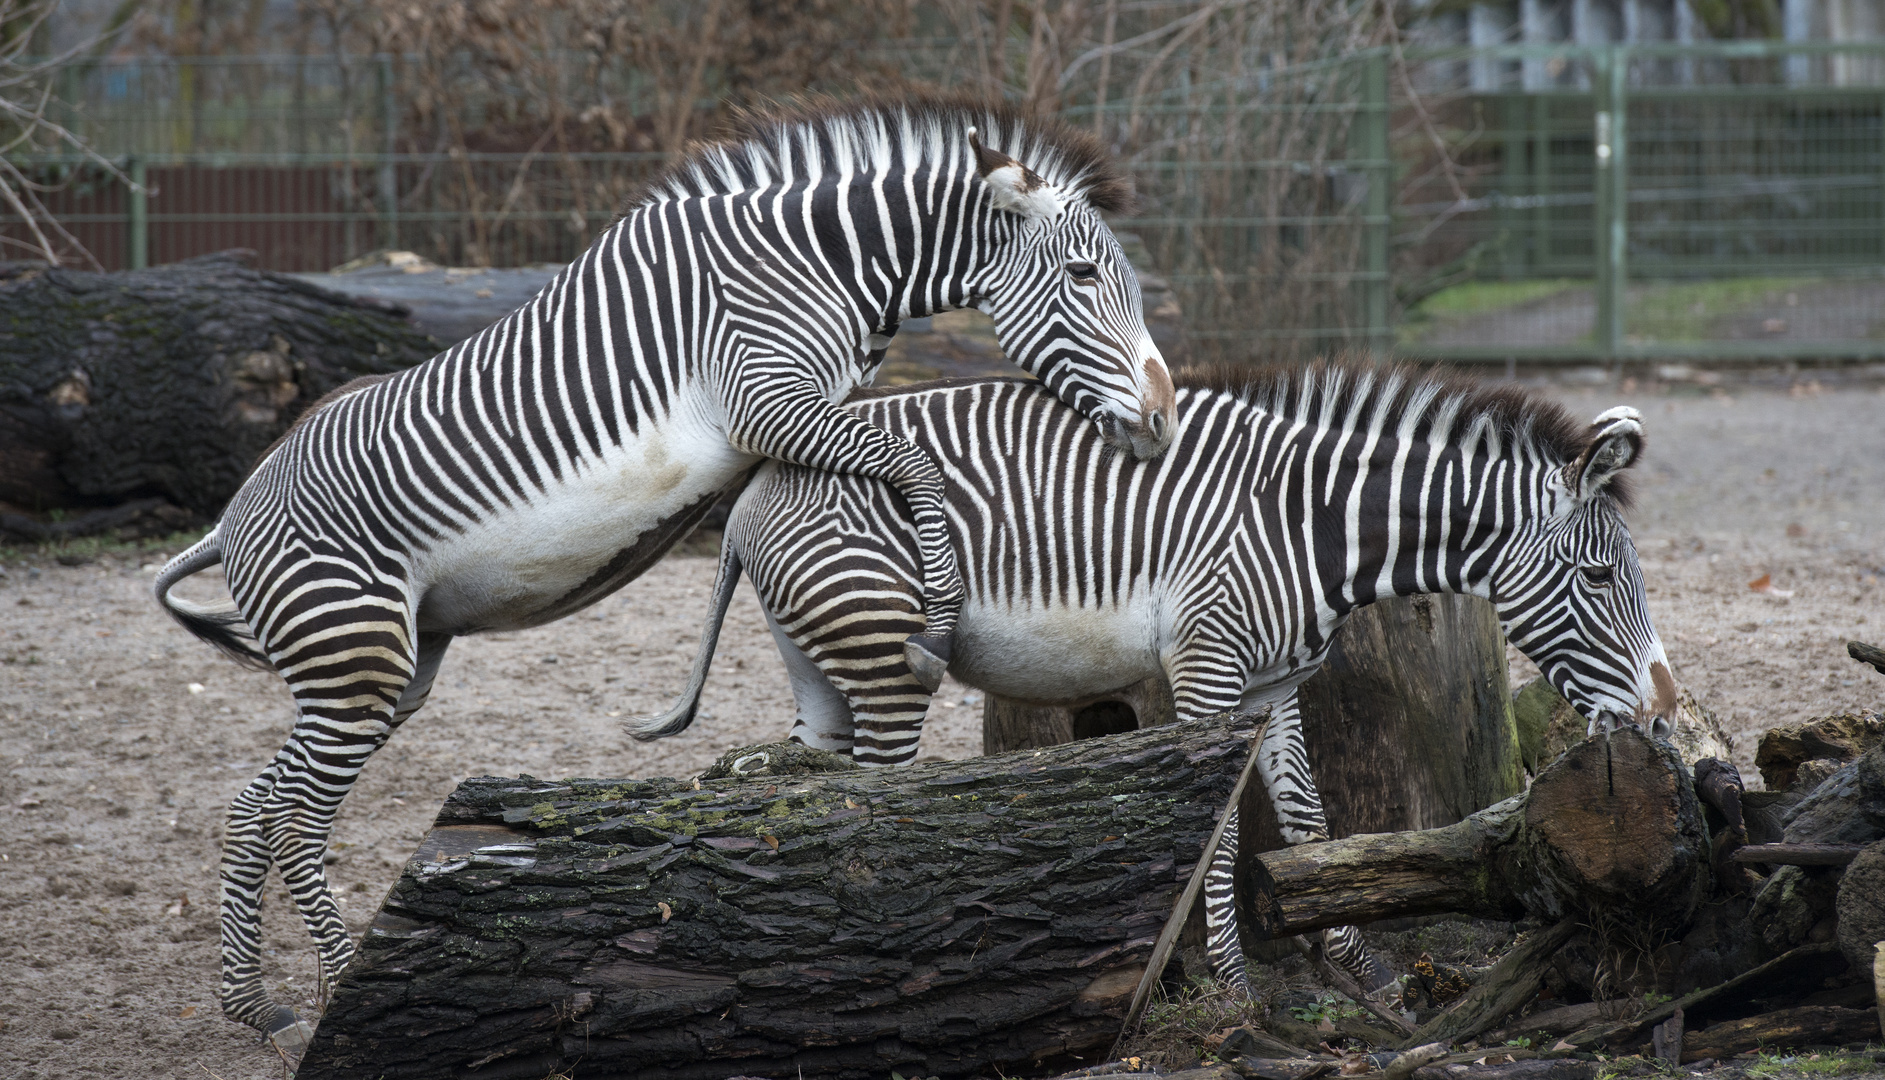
1159	426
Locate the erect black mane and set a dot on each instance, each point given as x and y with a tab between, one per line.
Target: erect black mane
776	139
1521	417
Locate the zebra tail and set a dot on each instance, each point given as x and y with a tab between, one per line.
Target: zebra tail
220	626
681	716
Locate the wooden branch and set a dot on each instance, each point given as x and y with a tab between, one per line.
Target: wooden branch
1612	823
1800	1026
946	919
1797	854
1867	654
1559	1021
1343	982
1805	967
1512	982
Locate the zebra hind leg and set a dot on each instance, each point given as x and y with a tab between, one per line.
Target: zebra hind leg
284	817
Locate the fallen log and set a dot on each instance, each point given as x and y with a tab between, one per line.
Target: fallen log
941	920
1796	974
1867	654
168	382
1797	854
1806	1025
1613	824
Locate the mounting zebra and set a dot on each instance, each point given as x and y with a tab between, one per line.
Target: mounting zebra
537	467
1290	498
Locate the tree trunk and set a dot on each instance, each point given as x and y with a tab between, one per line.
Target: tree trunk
169	382
1613	826
946	919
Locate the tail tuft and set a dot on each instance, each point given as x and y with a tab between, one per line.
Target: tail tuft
221	627
672	722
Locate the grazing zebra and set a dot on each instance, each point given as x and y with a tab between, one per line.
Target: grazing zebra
534	469
1291	497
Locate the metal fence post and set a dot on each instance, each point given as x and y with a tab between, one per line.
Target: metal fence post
1374	145
389	175
1611	179
137	229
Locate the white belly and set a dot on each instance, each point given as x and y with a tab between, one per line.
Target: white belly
1056	653
520	564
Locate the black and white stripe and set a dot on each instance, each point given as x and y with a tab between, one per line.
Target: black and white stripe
1289	499
539	466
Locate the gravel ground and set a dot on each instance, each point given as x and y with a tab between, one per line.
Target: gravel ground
122	739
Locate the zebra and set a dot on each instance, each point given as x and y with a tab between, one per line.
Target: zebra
539	466
1291	497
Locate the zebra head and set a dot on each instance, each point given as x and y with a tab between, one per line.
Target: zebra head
1066	305
1570	592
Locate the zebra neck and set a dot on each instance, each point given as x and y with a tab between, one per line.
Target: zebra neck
1421	518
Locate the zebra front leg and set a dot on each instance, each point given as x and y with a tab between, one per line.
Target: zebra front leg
1283	763
788	419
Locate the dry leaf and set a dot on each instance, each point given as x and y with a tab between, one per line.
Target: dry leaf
666	911
188	1011
696	783
1563	1044
1765	584
771	840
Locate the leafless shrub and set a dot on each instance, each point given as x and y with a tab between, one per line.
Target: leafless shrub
27	127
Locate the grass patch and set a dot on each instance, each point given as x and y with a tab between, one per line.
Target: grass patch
1685	312
1480	297
1776	1066
87	548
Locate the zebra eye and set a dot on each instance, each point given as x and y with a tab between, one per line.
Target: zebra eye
1598	575
1083	271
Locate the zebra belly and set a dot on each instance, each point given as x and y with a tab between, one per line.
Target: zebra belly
1055	653
582	538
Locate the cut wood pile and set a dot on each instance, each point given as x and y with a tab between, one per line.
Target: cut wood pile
786	915
139	401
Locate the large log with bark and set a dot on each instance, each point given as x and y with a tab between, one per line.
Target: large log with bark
942	920
1612	826
167	383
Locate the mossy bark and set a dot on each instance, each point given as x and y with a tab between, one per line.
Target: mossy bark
1613	826
169	382
943	920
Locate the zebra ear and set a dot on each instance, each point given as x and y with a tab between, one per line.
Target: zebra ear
1015	187
1616	440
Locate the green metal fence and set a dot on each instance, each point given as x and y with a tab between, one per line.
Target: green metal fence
1599	203
1722	201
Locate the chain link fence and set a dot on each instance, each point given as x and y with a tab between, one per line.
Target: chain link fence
1599	203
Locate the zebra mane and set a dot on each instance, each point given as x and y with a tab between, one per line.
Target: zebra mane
1410	402
816	136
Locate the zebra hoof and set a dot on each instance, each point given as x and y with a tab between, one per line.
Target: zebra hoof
928	658
289	1033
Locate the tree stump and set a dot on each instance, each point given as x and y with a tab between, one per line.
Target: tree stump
941	920
168	382
1408	725
1612	828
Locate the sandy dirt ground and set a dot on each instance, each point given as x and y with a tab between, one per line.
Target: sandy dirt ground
122	738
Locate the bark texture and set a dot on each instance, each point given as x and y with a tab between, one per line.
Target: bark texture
941	920
1613	825
168	382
